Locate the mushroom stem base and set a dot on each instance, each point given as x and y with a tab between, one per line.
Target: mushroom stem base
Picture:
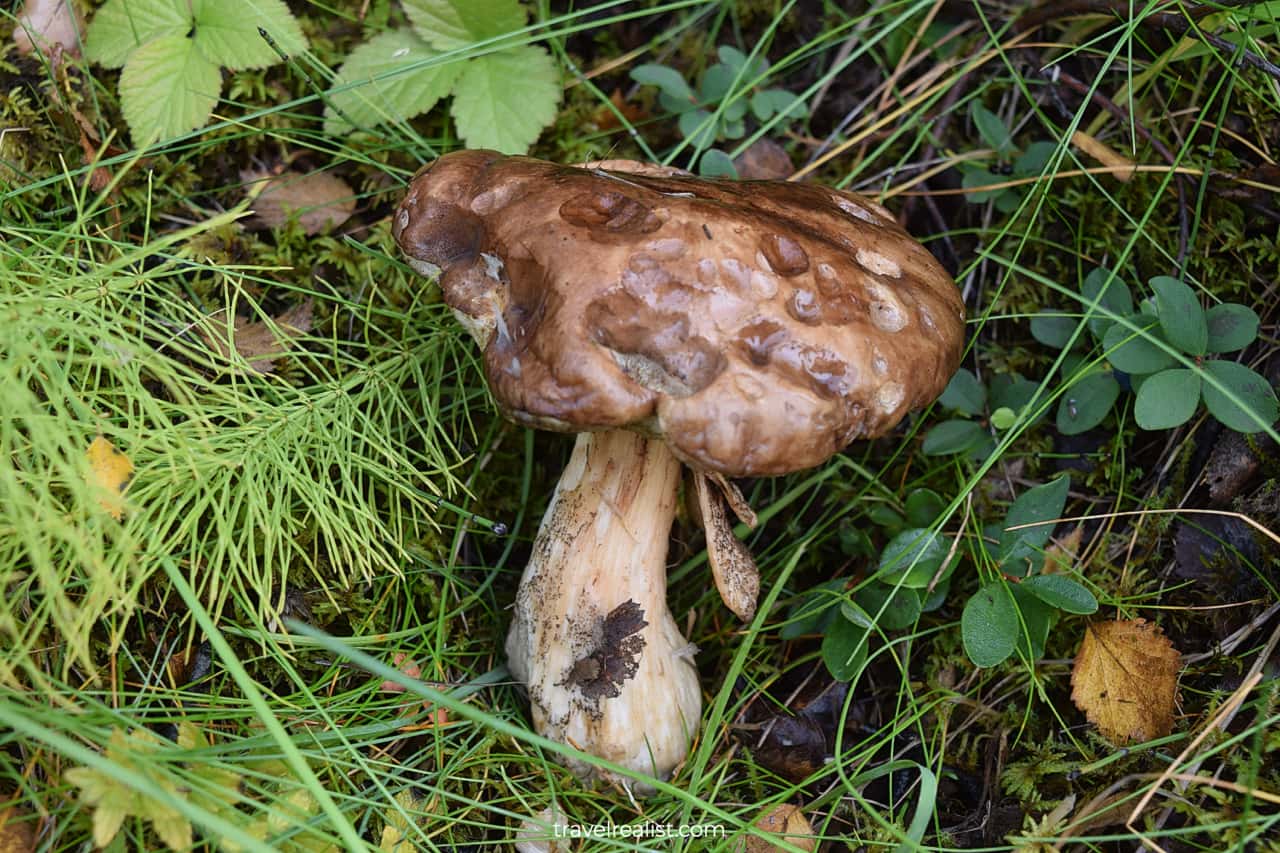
607	670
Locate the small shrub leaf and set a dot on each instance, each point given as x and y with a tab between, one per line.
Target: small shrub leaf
1053	329
1252	390
1110	293
1061	592
1180	314
989	625
714	163
814	609
1167	399
1136	351
892	608
1231	327
844	649
964	393
1042	503
914	555
168	88
1086	403
390	99
666	79
992	129
924	506
503	100
954	436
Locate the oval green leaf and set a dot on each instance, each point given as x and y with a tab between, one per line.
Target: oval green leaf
924	506
1231	327
914	555
1086	403
989	625
1061	592
844	649
1181	316
1256	408
1167	399
1053	329
1111	294
1136	351
1042	503
954	436
889	607
964	393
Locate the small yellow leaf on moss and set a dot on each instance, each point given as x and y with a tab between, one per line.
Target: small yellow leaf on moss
1125	679
785	820
109	472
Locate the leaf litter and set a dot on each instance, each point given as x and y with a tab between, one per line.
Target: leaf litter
1125	679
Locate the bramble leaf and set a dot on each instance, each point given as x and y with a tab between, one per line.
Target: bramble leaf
226	32
504	100
122	26
167	88
452	24
378	101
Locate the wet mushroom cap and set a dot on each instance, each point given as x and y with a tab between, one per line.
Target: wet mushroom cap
758	327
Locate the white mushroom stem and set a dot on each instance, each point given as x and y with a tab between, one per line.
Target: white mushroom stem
598	678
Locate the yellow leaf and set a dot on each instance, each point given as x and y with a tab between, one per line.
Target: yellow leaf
17	828
109	472
785	820
1125	679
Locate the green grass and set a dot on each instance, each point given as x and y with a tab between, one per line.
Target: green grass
288	535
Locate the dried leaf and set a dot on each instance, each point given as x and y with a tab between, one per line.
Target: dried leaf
47	24
1125	679
320	200
786	820
764	160
109	472
258	343
1104	154
606	119
17	829
1061	555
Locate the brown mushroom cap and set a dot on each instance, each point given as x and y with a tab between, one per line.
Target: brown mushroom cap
759	327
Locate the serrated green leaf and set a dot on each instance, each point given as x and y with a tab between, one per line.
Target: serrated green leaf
953	436
964	393
1253	390
1061	592
989	625
168	88
1167	399
668	80
389	99
452	24
1111	294
1042	503
844	649
1231	327
121	26
1181	316
1136	351
503	100
226	32
1086	403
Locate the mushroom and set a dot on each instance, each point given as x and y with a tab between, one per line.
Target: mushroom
742	329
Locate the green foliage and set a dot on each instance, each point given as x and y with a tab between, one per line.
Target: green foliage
717	109
172	53
1146	345
1016	611
1011	162
1004	403
502	97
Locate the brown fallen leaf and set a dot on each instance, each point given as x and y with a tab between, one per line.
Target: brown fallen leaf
764	160
785	820
259	343
1125	679
109	473
1104	154
1061	555
321	201
17	829
46	24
